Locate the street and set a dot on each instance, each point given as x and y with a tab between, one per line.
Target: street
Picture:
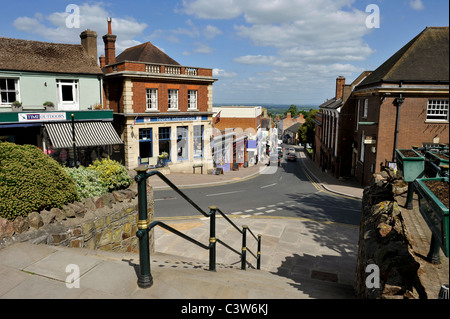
285	191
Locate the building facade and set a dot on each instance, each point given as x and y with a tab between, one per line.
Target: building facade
41	85
162	109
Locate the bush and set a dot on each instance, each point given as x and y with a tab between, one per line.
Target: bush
87	181
112	174
31	181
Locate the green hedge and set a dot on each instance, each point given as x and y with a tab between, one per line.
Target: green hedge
87	181
112	174
31	181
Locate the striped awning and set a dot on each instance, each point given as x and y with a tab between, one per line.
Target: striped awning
86	134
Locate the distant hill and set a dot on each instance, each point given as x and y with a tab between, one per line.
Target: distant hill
274	108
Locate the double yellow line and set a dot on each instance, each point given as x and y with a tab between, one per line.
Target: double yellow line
320	188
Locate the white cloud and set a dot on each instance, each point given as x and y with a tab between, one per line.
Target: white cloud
53	26
210	32
202	48
416	5
310	42
223	74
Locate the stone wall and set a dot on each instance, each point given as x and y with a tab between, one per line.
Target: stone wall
107	222
383	242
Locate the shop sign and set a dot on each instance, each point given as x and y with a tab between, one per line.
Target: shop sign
41	117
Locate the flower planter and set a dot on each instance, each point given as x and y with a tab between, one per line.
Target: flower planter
434	212
436	164
411	167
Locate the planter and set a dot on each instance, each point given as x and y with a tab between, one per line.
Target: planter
434	211
436	164
410	164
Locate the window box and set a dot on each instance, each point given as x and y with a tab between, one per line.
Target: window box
434	211
410	164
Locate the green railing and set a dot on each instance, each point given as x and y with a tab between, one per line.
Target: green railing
145	278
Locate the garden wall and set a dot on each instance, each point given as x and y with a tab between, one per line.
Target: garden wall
107	222
383	242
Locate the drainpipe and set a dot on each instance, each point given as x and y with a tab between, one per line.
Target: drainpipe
399	101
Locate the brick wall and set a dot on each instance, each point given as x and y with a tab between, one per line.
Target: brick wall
140	94
236	122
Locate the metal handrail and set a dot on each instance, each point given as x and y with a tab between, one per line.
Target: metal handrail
145	279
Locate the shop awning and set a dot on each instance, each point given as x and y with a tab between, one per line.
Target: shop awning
86	134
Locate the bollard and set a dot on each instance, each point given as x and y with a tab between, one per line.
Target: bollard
258	261
212	238
244	247
145	279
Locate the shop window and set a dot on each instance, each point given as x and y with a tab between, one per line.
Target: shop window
164	141
182	143
145	144
198	141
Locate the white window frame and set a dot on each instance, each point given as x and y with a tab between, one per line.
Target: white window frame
363	148
366	108
68	105
8	90
192	99
152	99
437	109
173	99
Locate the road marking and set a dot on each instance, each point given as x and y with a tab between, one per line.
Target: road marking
245	216
249	210
270	211
269	185
218	194
260	208
271	205
236	213
258	213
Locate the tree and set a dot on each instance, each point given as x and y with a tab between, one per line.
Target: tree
307	129
293	110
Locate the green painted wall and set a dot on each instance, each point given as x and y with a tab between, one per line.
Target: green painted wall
37	88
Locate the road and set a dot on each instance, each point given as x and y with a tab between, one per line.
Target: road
287	192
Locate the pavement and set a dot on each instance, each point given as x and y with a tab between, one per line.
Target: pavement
301	258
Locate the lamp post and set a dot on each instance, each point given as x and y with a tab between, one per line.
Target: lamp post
75	160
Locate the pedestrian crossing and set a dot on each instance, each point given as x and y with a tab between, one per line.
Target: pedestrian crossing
263	210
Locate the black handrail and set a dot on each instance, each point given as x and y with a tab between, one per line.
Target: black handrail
145	279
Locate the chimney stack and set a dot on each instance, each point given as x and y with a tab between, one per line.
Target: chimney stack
110	45
340	82
89	42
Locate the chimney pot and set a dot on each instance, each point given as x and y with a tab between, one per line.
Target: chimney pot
89	42
340	82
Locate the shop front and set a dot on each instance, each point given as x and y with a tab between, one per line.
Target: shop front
86	136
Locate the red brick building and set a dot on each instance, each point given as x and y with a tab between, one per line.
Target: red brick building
403	103
160	106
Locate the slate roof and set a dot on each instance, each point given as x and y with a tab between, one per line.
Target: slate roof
331	104
35	56
145	52
423	59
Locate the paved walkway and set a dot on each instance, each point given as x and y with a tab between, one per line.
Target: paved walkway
300	258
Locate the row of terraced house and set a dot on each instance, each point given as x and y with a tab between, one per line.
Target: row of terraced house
402	104
140	107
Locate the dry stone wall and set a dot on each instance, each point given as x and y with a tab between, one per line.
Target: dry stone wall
383	243
107	222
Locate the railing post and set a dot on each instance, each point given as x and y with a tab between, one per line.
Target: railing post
244	247
258	260
145	278
212	238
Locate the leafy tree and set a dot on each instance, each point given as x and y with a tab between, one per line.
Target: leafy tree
306	131
293	110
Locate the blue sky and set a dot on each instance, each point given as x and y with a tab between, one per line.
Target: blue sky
261	51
